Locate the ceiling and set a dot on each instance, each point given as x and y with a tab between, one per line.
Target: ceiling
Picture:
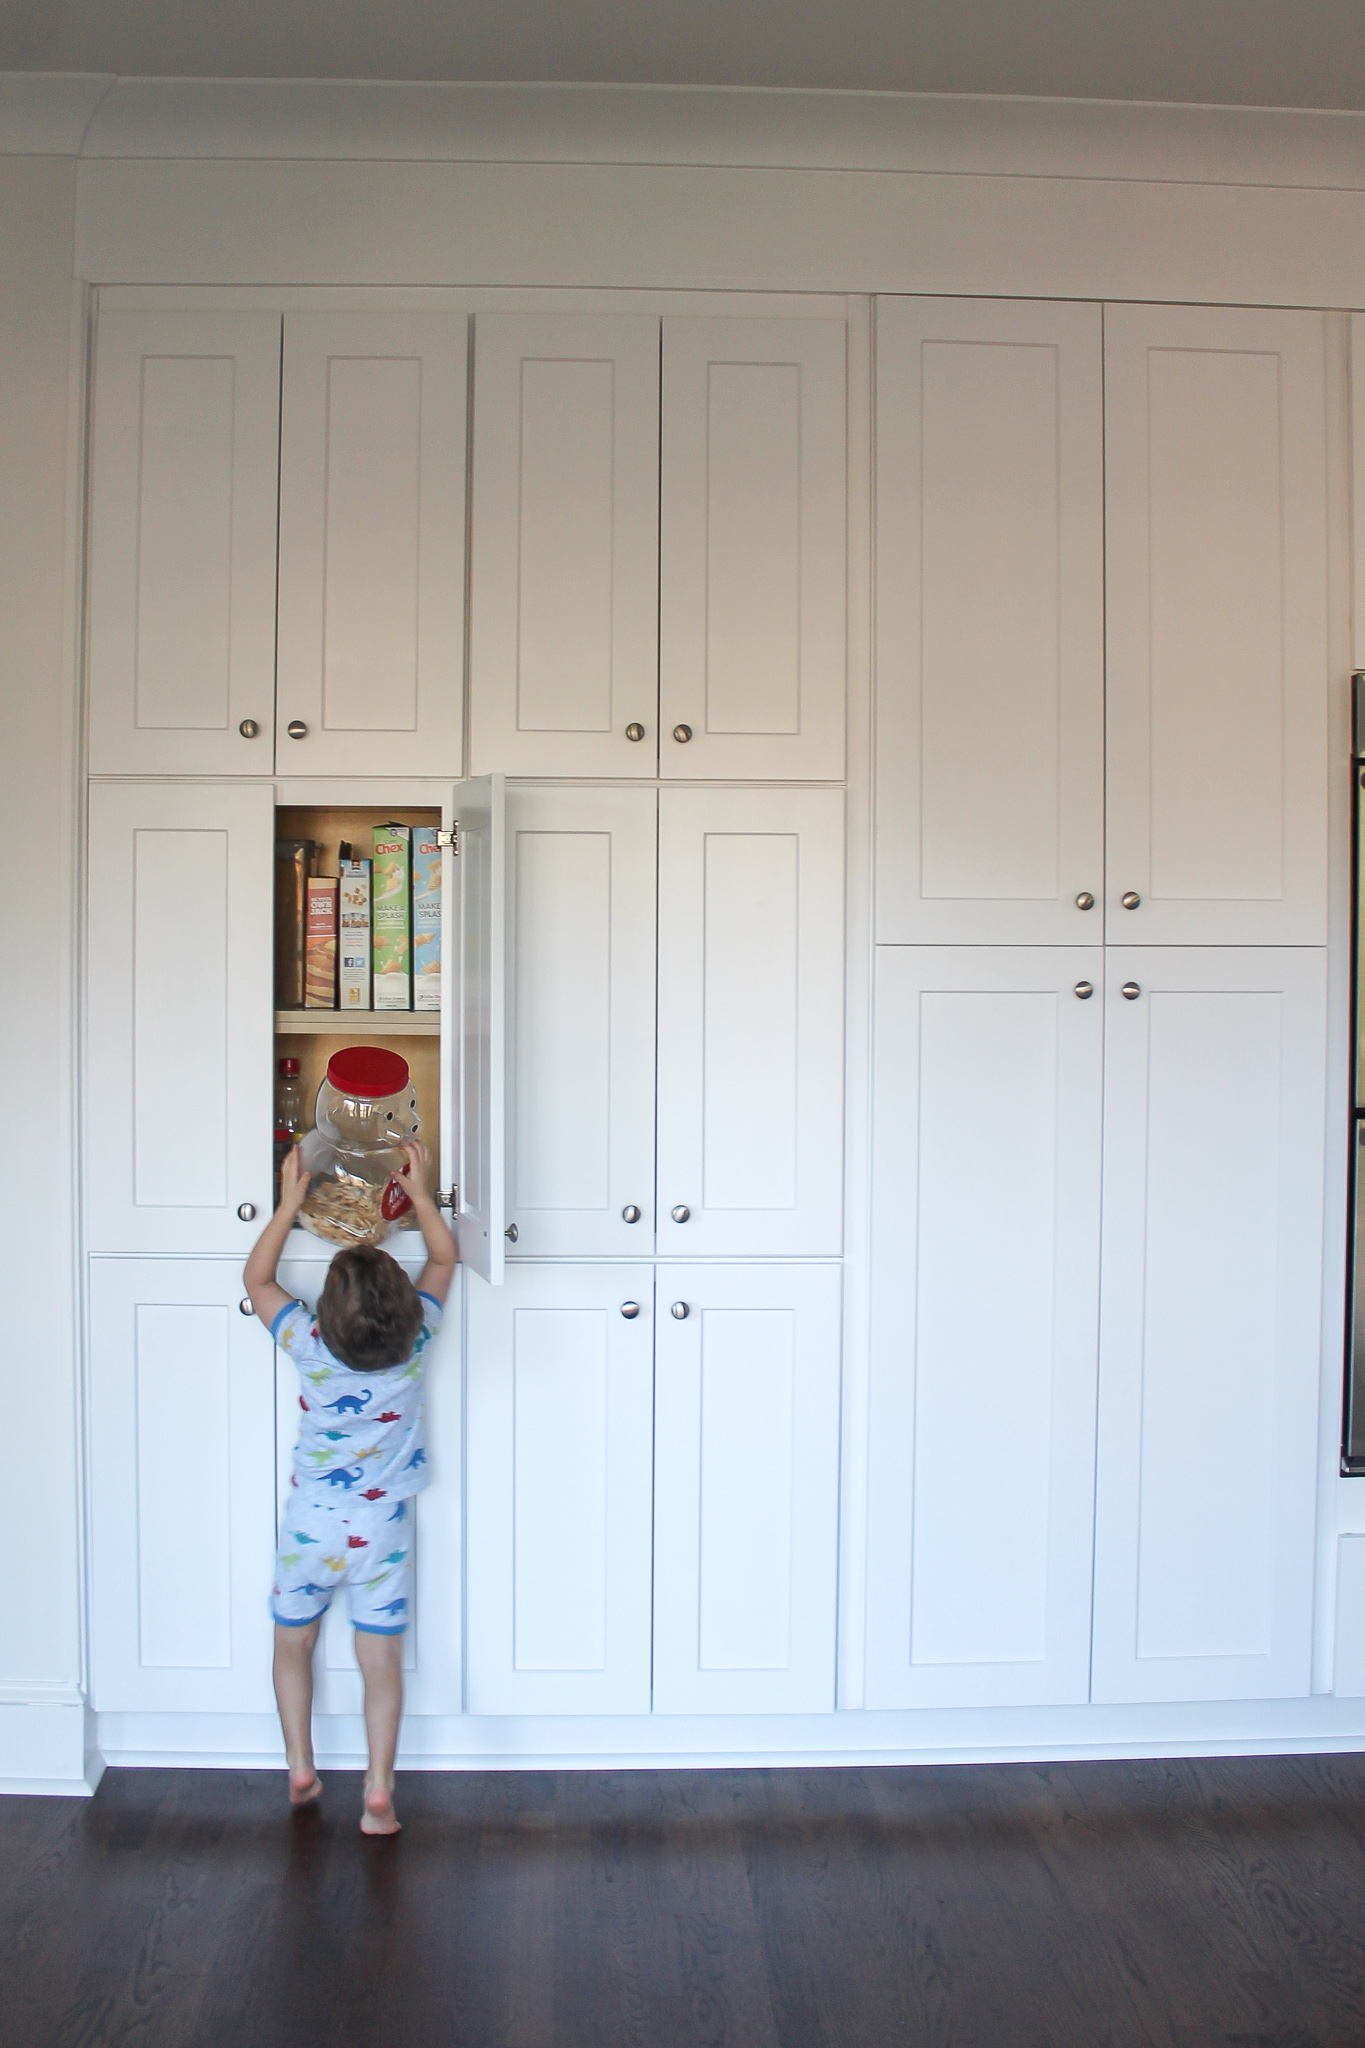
1288	53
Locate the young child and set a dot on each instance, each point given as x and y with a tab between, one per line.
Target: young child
359	1459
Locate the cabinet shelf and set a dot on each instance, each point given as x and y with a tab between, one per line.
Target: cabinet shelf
345	1023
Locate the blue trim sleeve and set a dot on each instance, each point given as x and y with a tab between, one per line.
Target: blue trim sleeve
422	1295
287	1310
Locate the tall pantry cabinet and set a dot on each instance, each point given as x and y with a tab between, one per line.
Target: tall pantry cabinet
641	1038
1043	674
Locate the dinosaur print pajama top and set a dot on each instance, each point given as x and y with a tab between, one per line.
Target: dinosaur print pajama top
360	1457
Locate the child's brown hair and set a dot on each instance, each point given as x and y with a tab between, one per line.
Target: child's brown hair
369	1312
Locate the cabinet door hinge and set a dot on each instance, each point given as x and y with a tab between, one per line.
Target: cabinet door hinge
450	838
448	1198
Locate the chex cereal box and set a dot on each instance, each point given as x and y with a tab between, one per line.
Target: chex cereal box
391	881
354	935
320	944
426	919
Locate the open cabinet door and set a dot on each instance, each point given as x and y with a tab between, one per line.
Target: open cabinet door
478	1057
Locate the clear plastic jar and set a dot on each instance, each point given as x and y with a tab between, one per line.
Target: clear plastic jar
366	1112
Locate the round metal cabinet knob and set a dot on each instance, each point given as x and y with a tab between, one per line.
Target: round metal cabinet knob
630	1309
1130	899
245	1305
681	1310
681	1213
248	728
1085	901
635	731
296	729
1085	989
1130	991
630	1214
247	1211
511	1233
682	734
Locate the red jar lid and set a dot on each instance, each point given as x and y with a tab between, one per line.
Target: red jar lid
289	1066
368	1071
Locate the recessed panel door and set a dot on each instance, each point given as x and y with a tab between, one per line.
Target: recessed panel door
182	1483
559	1412
580	948
753	518
990	622
746	1489
751	1007
178	1112
1210	1323
183	496
1216	547
372	544
984	1305
564	555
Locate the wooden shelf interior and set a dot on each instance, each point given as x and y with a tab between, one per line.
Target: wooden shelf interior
348	1023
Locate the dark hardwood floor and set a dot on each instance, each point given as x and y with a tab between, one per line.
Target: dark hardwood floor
1182	1903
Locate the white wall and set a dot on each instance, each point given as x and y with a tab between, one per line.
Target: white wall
41	1722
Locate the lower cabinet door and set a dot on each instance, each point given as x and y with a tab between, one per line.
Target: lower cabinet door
1210	1322
746	1489
985	1271
182	1485
559	1411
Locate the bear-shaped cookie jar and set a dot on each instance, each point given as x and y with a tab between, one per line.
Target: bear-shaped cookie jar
366	1112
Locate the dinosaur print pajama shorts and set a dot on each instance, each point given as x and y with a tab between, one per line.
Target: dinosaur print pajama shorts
364	1545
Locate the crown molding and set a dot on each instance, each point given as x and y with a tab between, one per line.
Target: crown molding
100	118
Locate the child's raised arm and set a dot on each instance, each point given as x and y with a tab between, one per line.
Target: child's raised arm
442	1257
258	1275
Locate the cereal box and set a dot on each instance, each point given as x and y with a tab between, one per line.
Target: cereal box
320	944
354	938
392	917
426	920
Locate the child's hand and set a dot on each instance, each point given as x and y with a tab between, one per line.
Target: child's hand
419	1160
294	1179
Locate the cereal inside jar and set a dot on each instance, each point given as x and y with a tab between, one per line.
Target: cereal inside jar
366	1112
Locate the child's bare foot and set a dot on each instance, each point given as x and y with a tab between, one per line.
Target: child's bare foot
379	1817
304	1786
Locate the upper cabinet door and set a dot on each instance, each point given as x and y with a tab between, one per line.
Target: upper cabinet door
372	544
565	545
1216	537
1210	1323
185	444
178	1109
477	1134
580	1122
751	1021
986	1194
990	622
753	515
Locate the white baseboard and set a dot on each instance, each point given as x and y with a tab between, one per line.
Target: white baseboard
48	1746
1025	1735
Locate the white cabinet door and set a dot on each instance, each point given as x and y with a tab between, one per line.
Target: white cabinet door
1216	544
565	544
178	1110
182	1484
753	514
990	622
1210	1308
185	449
558	1430
746	1489
751	1010
372	544
580	1137
985	1273
476	922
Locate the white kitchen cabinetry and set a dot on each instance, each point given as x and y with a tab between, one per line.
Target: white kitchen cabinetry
581	966
475	919
751	1009
179	962
753	515
185	450
990	622
372	544
558	1430
565	537
1209	1347
1215	492
986	1195
182	1482
746	1489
